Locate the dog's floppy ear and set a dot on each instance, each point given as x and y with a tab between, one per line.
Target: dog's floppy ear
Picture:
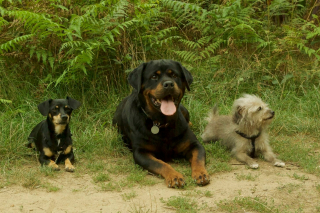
237	114
44	107
187	76
73	103
135	77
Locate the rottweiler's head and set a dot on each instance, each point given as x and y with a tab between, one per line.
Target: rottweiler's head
162	84
59	110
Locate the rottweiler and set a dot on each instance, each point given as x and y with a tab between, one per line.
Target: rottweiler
154	124
52	137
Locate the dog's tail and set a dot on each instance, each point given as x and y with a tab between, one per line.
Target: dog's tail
213	113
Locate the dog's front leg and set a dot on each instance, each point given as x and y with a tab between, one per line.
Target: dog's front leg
270	157
264	147
244	158
154	165
45	159
69	159
197	158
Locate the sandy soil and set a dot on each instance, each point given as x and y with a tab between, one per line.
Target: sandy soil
80	194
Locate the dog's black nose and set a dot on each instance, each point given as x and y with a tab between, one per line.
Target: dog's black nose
272	112
168	84
64	117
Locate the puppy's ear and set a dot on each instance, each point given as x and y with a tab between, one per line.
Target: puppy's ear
187	76
238	114
73	103
44	107
135	77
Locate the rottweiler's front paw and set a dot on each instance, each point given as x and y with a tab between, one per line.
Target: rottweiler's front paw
201	176
175	179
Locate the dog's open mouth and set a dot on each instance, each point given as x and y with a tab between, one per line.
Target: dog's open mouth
167	105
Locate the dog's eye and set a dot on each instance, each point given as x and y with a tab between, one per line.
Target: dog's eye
260	108
154	77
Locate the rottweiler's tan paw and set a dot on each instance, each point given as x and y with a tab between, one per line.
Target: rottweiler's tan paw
201	176
175	179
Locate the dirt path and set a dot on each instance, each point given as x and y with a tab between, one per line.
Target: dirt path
290	188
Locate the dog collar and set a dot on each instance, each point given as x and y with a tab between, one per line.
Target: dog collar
253	141
156	125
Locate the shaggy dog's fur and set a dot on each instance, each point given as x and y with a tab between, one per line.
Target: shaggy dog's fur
245	131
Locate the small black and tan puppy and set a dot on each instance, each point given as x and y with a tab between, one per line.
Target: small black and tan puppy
52	137
155	125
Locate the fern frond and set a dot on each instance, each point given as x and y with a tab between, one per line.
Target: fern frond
178	5
119	9
211	48
11	45
190	44
3	22
187	55
35	22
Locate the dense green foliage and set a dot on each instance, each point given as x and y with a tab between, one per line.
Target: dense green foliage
89	45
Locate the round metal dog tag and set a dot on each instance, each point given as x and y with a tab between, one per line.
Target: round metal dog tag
155	130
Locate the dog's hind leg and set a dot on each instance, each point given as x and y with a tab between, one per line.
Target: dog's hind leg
208	136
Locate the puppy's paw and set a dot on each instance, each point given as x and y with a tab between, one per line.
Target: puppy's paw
254	166
279	164
54	166
201	176
175	179
69	168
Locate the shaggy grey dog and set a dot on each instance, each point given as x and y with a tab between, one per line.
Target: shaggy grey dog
245	131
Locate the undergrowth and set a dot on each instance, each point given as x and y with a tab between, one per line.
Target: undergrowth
85	49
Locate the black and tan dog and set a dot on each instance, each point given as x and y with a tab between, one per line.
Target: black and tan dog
52	137
155	125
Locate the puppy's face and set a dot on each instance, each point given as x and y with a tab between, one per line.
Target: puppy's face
60	111
252	111
163	84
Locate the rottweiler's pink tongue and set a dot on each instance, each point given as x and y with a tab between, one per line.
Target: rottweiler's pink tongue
168	107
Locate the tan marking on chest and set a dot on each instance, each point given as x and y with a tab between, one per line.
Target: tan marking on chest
58	128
